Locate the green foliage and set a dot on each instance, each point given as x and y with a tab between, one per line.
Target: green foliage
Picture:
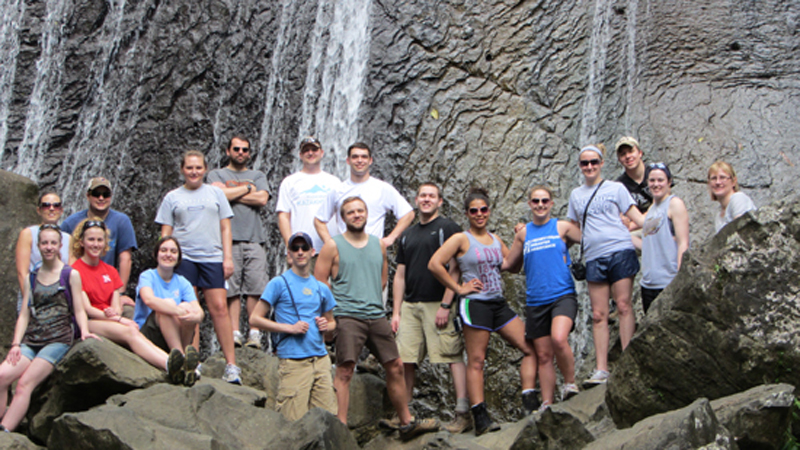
792	442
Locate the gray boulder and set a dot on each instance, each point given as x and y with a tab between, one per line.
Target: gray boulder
16	441
759	417
727	322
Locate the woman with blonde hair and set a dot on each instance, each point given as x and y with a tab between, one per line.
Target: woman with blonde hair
724	188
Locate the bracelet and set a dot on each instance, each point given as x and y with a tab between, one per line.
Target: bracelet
14	345
446	305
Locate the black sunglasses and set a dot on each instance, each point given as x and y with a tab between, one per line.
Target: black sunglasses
97	193
241	149
48	205
586	162
543	201
93	223
482	210
297	247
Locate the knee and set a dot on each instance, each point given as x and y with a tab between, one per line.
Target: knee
599	317
476	363
560	343
545	356
344	373
394	368
217	309
624	307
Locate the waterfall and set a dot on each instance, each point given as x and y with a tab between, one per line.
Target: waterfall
335	78
630	11
601	34
9	49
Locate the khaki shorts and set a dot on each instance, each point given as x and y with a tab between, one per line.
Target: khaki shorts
305	384
249	270
354	333
418	335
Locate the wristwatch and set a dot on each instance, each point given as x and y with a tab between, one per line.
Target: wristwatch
249	188
446	305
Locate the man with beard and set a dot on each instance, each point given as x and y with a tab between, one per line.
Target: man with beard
246	191
355	263
423	309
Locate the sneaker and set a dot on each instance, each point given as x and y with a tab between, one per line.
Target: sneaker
545	406
253	340
568	391
530	402
418	427
461	422
4	429
233	374
392	423
190	367
598	377
237	339
175	373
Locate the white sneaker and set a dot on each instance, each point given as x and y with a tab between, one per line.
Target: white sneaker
233	374
568	391
254	339
598	377
237	339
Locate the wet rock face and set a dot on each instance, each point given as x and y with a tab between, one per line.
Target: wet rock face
728	322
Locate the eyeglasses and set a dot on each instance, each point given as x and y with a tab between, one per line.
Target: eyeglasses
482	210
716	178
49	226
543	201
241	149
93	223
100	193
48	205
297	247
586	162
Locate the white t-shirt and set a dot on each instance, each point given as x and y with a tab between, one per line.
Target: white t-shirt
301	195
604	233
739	204
380	197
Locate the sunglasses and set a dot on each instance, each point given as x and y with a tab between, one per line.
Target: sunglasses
92	223
100	194
586	162
48	205
482	210
241	149
297	247
49	226
543	201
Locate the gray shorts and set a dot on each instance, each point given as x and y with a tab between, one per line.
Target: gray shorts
249	270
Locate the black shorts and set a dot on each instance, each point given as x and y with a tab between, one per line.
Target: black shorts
489	315
151	331
539	319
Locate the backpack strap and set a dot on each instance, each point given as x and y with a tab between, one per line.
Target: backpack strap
63	280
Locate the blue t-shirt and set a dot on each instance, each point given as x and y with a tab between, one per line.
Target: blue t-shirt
178	289
119	225
547	263
311	299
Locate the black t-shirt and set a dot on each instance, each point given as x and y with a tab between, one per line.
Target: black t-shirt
639	191
417	244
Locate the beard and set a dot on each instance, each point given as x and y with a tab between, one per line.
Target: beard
356	228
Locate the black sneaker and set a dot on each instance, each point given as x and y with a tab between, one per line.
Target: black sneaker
483	422
190	363
175	373
530	402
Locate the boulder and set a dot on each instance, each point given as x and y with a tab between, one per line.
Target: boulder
512	436
16	441
587	409
690	427
728	322
18	204
758	417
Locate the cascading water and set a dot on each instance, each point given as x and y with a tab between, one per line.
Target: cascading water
600	36
9	49
630	11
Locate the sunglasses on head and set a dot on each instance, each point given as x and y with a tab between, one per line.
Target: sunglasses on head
241	149
586	162
543	201
48	205
50	226
297	247
98	193
93	223
483	210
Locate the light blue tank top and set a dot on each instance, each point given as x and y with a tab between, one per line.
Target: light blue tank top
483	262
659	249
547	263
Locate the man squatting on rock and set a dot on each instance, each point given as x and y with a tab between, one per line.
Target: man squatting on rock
423	309
246	191
355	265
303	312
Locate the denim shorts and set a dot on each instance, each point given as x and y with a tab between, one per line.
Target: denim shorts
51	353
610	269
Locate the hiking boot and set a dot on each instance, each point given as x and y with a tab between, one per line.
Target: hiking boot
568	391
483	422
253	340
175	373
530	402
237	339
392	423
418	427
233	374
190	367
598	377
461	422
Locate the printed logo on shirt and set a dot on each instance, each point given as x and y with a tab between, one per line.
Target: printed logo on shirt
106	278
176	294
306	291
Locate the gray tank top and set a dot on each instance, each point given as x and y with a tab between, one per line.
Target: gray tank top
358	285
659	249
483	262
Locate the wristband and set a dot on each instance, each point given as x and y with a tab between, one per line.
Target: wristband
14	345
446	305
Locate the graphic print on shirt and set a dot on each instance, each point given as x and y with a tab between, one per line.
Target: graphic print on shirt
488	259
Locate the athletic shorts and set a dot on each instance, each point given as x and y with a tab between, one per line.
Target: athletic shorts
539	319
648	296
51	353
354	333
249	270
610	269
202	275
152	332
418	335
489	315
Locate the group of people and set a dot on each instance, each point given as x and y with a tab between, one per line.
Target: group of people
447	290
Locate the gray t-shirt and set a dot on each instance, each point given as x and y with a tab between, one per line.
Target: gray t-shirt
246	224
194	216
739	204
604	233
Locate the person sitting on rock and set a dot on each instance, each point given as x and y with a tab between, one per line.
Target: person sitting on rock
167	311
44	330
724	188
303	313
101	285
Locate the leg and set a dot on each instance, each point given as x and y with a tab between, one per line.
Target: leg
599	295
37	371
344	374
514	334
622	291
170	329
547	373
235	312
559	336
8	375
218	309
294	388
396	387
459	374
322	393
133	339
476	341
408	370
